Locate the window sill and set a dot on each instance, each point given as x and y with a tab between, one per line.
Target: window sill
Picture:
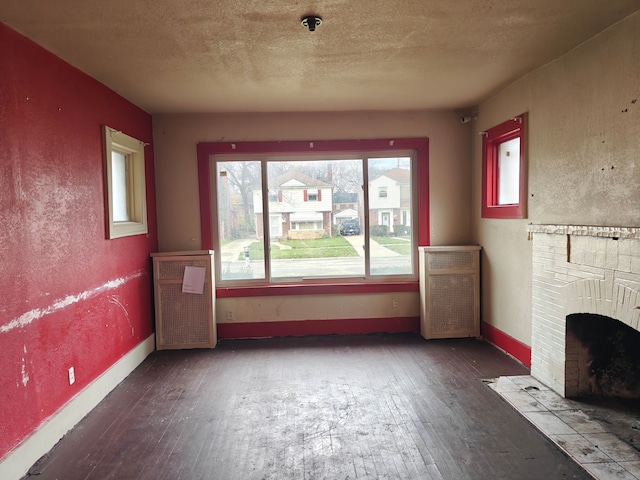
499	211
332	289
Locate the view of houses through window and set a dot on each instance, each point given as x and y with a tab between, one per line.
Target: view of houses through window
322	218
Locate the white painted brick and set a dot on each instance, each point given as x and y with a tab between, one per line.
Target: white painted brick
631	280
589	258
635	263
628	299
635	318
624	263
603	276
599	289
611	261
625	246
586	271
577	256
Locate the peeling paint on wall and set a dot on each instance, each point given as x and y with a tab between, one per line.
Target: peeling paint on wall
25	375
33	315
58	269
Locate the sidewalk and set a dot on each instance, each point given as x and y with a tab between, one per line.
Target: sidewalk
231	251
377	250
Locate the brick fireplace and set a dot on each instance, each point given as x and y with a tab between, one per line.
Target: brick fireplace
579	270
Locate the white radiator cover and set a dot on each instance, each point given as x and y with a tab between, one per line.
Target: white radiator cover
449	291
183	320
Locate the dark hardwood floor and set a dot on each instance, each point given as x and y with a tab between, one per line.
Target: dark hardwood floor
328	407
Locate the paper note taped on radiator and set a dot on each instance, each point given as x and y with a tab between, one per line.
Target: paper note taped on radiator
193	280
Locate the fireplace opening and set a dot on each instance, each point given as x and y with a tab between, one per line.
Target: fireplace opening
603	357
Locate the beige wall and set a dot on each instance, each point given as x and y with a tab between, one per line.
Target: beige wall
584	160
175	140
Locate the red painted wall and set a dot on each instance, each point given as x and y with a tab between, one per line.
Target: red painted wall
69	297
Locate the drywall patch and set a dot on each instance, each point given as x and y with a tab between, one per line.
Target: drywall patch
36	314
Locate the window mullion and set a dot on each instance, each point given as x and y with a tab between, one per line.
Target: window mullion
215	224
266	220
132	207
365	213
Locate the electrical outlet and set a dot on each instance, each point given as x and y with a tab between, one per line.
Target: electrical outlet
394	303
230	315
72	376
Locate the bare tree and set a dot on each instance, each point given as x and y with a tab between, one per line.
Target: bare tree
242	178
344	175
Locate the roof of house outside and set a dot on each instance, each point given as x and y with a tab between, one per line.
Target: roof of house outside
305	180
346	214
345	197
400	175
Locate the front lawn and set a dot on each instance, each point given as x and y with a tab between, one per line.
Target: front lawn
401	245
330	247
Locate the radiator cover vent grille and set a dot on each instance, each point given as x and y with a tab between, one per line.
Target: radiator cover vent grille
449	292
451	261
183	320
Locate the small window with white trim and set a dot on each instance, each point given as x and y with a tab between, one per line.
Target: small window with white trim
125	184
504	177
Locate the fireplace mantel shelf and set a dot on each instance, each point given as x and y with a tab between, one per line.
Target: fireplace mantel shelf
585	230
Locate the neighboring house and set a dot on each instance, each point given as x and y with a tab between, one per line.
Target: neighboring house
344	200
390	199
345	207
299	207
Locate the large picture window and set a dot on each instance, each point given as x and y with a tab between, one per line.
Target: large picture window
295	215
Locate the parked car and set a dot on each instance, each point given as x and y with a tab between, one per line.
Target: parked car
350	227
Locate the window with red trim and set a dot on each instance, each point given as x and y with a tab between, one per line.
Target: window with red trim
313	196
504	178
293	234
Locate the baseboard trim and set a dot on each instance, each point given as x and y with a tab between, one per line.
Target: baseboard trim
299	328
17	462
508	344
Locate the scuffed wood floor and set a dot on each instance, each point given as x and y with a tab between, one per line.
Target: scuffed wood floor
327	407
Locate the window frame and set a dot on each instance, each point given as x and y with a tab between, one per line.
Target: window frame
491	140
136	198
308	148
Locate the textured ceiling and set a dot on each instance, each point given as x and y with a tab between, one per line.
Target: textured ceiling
254	55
